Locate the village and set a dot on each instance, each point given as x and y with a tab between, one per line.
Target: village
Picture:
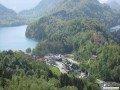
65	64
69	66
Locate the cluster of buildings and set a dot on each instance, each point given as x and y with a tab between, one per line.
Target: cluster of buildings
65	65
109	85
51	59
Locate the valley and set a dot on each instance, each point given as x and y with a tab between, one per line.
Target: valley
60	45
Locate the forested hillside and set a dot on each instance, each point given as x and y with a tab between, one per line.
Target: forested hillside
8	17
66	12
84	31
87	9
116	35
85	38
45	7
69	9
19	72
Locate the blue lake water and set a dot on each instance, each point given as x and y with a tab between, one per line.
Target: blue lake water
115	28
14	38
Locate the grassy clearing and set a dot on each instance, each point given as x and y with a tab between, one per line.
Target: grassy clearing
55	71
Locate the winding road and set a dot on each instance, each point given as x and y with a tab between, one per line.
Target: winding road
61	67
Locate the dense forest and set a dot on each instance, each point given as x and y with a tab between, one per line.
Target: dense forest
82	9
116	35
83	37
84	31
19	72
63	9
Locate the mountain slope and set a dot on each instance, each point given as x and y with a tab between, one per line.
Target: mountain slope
5	11
8	17
114	4
41	9
86	8
71	9
85	37
75	27
68	9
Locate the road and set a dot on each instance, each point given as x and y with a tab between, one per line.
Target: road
72	61
61	67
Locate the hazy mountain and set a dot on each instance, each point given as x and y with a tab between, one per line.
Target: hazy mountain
6	12
80	8
70	9
8	17
114	4
19	5
41	9
67	9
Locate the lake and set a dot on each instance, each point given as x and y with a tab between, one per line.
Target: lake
14	38
115	28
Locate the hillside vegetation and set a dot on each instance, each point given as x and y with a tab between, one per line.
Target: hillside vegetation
19	72
44	8
71	9
82	30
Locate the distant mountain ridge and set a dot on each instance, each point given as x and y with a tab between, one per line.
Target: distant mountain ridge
66	10
8	17
40	9
70	9
114	4
5	11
